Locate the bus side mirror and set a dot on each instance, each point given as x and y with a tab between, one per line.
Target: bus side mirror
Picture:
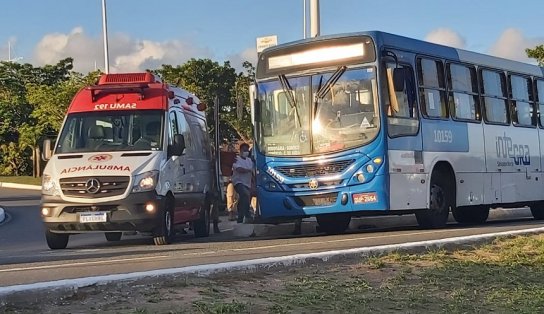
399	79
179	145
47	150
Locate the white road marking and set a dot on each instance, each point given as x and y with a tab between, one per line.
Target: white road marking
89	263
254	263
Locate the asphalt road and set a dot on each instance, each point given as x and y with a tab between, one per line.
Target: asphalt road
25	257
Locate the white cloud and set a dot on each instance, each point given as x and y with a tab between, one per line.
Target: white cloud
512	44
446	36
126	54
237	60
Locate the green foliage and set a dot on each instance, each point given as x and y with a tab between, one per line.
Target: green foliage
208	79
33	102
536	53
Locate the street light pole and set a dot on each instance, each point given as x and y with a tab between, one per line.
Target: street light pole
314	18
105	35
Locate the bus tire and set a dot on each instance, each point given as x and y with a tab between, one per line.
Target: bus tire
436	216
471	214
56	241
113	236
538	210
202	226
164	232
333	223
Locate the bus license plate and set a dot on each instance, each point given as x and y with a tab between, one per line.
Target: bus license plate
364	198
90	217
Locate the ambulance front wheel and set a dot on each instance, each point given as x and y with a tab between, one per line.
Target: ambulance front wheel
56	241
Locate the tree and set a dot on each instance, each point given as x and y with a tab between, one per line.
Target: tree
208	79
15	109
49	103
536	53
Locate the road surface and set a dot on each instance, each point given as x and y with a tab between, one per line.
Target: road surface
25	257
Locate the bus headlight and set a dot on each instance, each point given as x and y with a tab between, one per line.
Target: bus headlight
146	181
49	187
367	172
268	182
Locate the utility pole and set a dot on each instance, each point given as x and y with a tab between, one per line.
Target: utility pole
105	31
304	24
314	18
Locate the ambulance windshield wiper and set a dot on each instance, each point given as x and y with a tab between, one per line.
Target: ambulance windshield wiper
288	90
323	90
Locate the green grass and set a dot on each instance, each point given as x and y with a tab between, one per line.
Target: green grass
506	276
21	180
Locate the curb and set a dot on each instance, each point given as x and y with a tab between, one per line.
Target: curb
68	286
2	215
20	186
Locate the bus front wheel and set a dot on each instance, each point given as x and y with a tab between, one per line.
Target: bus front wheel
333	223
441	201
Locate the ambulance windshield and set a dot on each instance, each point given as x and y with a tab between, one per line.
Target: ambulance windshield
108	131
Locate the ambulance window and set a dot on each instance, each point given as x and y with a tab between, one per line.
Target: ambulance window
186	132
173	126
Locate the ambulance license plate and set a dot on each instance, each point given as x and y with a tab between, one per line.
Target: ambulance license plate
90	217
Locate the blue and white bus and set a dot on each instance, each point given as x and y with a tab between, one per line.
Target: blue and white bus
373	123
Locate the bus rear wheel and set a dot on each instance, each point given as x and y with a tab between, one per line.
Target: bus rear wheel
440	203
538	211
333	223
471	214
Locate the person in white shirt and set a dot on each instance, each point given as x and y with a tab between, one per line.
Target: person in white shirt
242	173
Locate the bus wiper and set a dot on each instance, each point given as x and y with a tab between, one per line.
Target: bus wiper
288	90
323	90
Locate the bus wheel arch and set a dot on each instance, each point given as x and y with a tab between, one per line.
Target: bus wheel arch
442	197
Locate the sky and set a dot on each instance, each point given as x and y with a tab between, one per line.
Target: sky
146	34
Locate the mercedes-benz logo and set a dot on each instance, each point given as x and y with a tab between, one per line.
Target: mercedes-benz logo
92	186
313	184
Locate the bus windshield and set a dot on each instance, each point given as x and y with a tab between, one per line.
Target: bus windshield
343	116
107	131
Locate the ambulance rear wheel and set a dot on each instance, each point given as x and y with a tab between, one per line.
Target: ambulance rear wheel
164	232
113	236
56	241
202	226
333	223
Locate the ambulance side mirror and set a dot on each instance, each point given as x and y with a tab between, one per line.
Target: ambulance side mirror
47	150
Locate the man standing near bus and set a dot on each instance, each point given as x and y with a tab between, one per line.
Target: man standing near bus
241	178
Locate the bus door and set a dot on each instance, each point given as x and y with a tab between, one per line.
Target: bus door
404	141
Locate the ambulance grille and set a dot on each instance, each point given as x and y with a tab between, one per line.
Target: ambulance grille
315	169
94	187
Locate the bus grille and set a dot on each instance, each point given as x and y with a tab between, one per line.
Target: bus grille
82	186
313	170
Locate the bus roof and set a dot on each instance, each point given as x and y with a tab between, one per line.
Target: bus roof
383	39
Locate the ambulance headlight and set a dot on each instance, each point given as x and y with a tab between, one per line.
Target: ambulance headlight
49	187
146	181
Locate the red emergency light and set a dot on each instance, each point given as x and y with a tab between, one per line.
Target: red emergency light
124	78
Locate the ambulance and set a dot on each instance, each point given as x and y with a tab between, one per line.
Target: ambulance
133	155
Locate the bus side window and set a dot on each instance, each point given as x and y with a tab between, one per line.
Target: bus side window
540	99
401	106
